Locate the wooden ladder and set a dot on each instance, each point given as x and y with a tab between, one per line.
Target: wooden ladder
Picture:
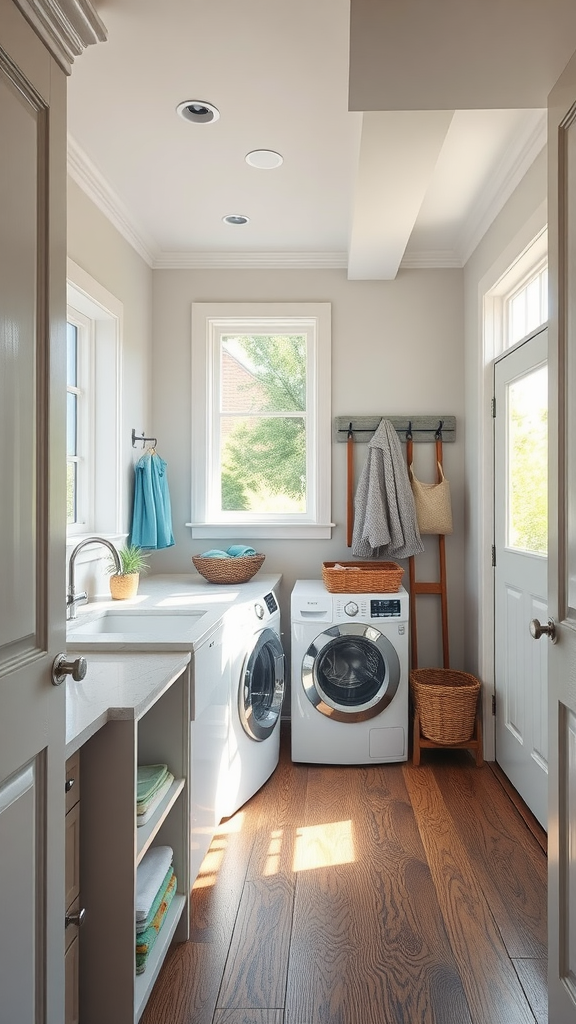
418	587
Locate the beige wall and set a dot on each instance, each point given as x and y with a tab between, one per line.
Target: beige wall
397	348
520	220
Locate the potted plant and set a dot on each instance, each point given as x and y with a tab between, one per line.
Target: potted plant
133	561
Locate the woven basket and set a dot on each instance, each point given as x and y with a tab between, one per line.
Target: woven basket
362	577
446	703
228	570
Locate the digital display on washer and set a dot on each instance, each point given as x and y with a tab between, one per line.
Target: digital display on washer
384	609
271	603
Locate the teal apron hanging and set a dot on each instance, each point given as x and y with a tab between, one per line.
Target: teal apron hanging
152	513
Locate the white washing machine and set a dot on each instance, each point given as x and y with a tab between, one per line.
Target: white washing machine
349	676
252	632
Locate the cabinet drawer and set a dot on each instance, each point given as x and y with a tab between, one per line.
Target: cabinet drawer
72	780
72	855
71	1011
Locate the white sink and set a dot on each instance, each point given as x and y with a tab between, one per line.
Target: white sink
115	629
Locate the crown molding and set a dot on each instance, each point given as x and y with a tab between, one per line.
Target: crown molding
431	259
500	186
93	183
66	27
251	261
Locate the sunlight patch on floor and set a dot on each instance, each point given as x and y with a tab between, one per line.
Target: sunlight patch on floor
322	846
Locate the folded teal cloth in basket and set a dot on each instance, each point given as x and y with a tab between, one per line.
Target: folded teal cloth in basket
214	553
240	551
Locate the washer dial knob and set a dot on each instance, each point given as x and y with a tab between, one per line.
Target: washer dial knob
259	611
351	608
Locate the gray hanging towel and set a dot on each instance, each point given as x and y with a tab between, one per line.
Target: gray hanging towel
385	522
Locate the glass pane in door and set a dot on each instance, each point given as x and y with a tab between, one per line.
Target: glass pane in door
527	462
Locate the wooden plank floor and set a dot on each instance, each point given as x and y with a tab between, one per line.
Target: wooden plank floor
367	895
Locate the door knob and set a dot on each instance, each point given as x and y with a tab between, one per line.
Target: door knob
62	668
537	630
76	918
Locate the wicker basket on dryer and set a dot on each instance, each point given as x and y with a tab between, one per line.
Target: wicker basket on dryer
362	577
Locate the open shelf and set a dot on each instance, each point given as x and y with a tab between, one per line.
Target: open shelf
144	982
146	833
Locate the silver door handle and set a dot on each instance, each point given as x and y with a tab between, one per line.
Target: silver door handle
537	630
62	668
76	918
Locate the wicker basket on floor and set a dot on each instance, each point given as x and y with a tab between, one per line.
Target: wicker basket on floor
362	577
228	570
446	702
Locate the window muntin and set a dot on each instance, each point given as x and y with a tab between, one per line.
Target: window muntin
257	461
78	420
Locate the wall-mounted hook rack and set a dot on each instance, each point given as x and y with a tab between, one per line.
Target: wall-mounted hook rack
144	440
421	428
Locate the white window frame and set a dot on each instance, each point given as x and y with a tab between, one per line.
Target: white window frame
102	492
84	420
209	322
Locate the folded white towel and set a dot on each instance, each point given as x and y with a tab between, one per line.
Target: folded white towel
141	819
150	874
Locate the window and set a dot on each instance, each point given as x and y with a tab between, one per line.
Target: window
93	407
527	306
261	420
78	421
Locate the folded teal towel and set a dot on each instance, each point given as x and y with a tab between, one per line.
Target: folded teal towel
214	553
149	779
240	551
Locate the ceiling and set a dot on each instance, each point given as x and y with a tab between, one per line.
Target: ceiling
365	191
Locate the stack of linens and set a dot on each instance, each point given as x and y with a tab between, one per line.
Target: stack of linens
155	888
153	782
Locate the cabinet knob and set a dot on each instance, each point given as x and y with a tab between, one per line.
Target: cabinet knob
62	668
77	918
69	784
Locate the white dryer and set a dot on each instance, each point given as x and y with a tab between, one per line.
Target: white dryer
349	676
256	657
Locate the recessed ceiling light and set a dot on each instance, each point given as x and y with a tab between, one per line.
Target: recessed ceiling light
265	159
198	111
235	218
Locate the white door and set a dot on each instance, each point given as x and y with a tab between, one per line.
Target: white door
562	548
521	544
32	524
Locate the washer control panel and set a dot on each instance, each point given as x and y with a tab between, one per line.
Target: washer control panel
388	608
366	609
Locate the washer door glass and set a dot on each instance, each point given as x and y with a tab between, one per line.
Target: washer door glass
262	686
351	672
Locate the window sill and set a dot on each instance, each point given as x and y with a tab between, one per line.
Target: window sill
261	531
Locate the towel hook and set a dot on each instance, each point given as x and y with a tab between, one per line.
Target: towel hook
141	437
438	434
409	431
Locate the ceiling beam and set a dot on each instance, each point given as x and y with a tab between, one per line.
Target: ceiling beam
398	153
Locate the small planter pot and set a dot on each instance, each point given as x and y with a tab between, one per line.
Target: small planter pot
123	587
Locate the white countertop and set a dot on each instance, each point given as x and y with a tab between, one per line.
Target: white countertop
117	685
126	676
163	593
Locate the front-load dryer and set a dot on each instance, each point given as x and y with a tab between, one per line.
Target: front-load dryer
256	656
349	676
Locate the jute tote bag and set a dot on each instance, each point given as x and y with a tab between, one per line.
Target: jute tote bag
433	505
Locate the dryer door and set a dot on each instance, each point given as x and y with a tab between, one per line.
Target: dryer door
350	672
261	688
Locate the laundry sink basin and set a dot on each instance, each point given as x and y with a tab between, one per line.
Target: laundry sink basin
140	630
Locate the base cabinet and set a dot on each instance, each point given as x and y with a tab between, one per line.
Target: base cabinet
112	846
73	915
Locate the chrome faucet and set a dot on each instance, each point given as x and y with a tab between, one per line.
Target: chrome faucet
72	598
